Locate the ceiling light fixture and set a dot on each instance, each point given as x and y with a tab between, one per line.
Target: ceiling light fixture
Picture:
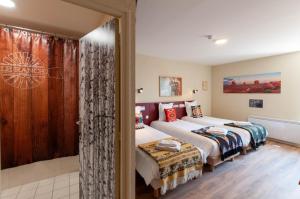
7	3
220	41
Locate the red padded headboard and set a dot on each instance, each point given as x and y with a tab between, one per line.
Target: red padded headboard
151	110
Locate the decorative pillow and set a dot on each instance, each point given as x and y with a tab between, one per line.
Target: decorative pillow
170	115
139	124
188	107
196	111
161	109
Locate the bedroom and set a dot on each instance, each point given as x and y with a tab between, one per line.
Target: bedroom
205	68
147	99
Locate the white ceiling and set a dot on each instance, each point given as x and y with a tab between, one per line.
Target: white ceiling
53	16
174	29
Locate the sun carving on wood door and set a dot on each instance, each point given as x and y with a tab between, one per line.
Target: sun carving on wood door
22	70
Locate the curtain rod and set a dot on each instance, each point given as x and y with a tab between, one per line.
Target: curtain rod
39	32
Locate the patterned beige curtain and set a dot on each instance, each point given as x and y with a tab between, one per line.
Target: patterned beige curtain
97	113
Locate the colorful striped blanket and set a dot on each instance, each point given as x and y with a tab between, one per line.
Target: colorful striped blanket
229	144
175	167
258	133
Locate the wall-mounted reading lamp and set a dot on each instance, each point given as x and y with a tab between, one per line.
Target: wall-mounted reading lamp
140	90
195	91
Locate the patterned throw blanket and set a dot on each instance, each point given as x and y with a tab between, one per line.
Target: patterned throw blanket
229	144
258	133
175	167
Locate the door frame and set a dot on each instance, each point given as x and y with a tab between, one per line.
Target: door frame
125	182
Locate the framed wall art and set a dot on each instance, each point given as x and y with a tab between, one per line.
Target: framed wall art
170	86
259	83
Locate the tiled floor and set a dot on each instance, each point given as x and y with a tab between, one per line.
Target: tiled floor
60	187
37	171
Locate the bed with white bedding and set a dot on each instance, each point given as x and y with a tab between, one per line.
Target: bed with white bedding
213	121
253	135
145	165
182	130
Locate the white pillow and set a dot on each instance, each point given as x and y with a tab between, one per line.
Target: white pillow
138	109
161	109
188	107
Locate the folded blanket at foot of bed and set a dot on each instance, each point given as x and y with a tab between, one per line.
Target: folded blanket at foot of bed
175	167
258	133
229	144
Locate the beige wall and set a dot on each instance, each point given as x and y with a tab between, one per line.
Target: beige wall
236	106
148	70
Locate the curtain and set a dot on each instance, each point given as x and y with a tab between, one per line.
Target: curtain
97	113
38	97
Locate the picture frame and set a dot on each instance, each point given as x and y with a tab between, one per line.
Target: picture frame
170	86
205	85
256	103
256	83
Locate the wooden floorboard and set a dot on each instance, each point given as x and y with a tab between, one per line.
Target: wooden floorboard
271	172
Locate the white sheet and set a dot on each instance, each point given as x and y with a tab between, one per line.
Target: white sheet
209	121
213	121
182	130
145	165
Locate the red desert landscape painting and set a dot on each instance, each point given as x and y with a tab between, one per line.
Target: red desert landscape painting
260	83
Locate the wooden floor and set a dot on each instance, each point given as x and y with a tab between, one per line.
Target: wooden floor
272	172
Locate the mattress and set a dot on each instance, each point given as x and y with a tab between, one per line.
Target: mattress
145	165
213	121
182	130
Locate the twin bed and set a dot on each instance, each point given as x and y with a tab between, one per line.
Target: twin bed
149	169
181	129
253	135
213	121
145	165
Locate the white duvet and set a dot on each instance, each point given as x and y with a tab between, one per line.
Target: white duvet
182	130
213	121
145	165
